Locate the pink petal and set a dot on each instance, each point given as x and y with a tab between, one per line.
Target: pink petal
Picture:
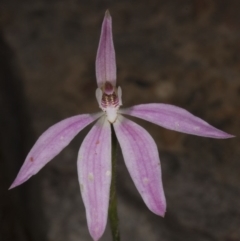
141	157
175	118
105	61
94	172
50	143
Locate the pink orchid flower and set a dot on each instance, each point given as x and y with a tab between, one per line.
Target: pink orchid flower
138	147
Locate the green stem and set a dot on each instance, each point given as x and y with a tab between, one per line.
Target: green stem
112	211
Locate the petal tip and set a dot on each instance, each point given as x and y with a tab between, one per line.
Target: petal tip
224	135
12	186
107	14
18	182
230	136
160	211
159	206
96	234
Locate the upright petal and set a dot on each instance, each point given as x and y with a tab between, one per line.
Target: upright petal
105	61
50	143
175	118
142	160
94	172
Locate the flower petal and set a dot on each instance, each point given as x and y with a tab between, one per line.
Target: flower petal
142	160
105	61
50	143
94	172
175	118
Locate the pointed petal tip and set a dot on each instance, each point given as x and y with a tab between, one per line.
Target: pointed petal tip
96	233
12	186
107	14
95	236
18	181
229	136
160	210
222	135
162	213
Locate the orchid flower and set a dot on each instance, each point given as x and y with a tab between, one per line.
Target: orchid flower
138	147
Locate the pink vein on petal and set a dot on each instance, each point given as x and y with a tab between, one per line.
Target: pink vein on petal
175	118
105	61
51	143
142	160
94	171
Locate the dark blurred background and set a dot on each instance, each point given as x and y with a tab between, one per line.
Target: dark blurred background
180	52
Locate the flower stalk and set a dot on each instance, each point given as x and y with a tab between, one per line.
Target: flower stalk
112	211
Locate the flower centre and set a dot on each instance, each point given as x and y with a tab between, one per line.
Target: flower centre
109	99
